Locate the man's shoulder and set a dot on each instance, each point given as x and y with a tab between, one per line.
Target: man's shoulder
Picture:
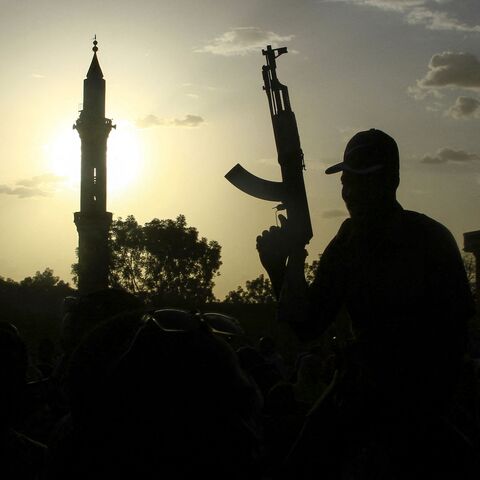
432	237
407	226
419	218
424	225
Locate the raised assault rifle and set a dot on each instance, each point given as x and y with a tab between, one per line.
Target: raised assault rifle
290	192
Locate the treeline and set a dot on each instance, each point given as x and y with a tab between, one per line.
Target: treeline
34	304
163	262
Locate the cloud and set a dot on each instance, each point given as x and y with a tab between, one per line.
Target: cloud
23	192
242	41
335	213
421	93
392	5
429	13
149	121
435	107
38	186
37	75
449	69
187	121
445	155
45	179
463	108
437	20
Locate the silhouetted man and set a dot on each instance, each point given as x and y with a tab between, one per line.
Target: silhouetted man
401	278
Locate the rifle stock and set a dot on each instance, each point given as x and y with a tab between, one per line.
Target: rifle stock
291	190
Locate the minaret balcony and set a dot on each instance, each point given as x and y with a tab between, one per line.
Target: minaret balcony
93	126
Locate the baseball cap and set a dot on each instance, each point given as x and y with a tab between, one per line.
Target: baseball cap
368	152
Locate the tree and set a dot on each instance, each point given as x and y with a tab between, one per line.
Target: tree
164	261
44	281
311	269
470	267
34	305
260	290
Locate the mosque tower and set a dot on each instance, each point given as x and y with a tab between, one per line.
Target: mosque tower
93	221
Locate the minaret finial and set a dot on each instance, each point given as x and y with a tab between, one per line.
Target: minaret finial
95	71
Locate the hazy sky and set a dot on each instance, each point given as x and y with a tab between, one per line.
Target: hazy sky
184	88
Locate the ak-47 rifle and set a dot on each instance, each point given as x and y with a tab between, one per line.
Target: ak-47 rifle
290	192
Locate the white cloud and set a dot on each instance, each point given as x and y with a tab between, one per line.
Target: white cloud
437	20
149	121
153	121
393	5
38	180
188	121
464	108
429	13
448	70
242	41
38	186
22	192
445	155
435	107
420	93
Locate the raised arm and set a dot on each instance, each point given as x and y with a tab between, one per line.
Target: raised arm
309	309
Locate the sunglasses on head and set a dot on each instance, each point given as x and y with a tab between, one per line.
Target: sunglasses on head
176	320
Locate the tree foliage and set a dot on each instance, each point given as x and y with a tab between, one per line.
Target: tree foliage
44	282
34	304
260	290
470	268
311	269
163	260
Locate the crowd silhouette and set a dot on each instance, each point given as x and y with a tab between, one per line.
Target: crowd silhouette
136	391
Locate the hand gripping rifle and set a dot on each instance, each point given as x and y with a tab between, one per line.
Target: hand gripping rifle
290	192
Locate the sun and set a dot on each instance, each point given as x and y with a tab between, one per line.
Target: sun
123	156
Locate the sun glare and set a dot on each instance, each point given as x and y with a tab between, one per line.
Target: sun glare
123	157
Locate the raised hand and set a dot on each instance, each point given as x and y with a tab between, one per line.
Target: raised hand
273	247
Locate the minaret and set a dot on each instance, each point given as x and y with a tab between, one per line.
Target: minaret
93	221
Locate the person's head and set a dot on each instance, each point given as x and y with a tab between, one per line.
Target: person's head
370	173
82	314
164	386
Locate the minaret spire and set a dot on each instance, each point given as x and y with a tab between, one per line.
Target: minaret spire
93	221
95	71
